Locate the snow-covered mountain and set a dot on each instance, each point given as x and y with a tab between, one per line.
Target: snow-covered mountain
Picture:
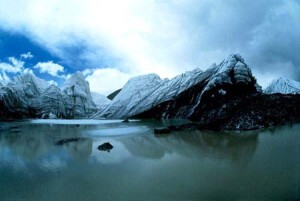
283	86
29	96
151	96
100	100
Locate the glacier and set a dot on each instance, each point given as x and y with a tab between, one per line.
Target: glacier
28	96
149	96
283	86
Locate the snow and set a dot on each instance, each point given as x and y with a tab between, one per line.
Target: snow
100	100
145	92
119	131
283	86
73	122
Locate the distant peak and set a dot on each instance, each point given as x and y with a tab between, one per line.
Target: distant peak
283	85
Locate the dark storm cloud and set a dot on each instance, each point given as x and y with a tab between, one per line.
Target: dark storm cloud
266	33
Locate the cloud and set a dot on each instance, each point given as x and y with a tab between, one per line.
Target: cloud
12	66
52	82
87	71
49	67
28	70
27	55
107	80
164	37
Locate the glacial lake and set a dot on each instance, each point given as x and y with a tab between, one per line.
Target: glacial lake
189	165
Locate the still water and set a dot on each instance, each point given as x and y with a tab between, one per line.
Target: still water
190	165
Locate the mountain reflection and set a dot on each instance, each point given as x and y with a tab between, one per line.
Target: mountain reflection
33	142
194	144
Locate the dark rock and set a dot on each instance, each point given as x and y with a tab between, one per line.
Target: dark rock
159	131
77	125
114	94
105	147
248	112
65	141
173	128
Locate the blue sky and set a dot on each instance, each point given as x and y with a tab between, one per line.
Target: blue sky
14	45
111	41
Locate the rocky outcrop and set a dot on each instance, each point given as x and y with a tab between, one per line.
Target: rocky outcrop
113	94
248	112
149	96
283	86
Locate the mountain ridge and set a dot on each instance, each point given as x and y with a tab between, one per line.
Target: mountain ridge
284	86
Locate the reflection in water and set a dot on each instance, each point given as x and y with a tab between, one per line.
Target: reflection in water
80	150
189	165
194	144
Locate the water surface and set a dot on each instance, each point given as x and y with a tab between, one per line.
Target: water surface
190	165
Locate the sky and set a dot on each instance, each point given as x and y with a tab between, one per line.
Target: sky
111	41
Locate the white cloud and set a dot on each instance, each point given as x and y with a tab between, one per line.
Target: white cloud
107	80
146	36
27	55
14	65
28	70
49	67
52	82
87	71
164	37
